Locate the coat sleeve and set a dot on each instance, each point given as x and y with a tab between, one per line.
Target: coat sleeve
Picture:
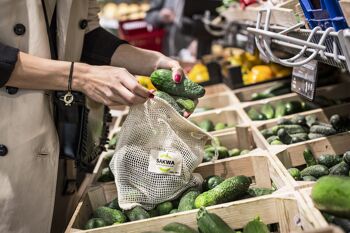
99	44
8	59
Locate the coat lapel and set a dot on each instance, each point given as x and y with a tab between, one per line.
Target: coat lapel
63	16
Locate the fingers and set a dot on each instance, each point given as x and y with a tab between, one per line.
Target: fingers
130	97
177	74
133	86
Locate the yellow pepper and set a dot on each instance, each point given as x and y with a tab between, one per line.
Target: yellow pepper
146	82
258	74
199	73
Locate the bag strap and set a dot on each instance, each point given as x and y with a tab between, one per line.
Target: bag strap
50	30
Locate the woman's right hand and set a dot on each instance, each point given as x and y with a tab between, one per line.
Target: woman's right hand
110	85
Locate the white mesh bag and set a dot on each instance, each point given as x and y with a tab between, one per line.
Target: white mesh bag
156	154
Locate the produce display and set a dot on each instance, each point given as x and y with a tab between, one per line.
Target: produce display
209	126
214	190
302	128
276	90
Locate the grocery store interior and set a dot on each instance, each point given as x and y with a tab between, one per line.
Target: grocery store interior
254	138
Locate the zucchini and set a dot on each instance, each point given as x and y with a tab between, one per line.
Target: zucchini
137	213
329	160
178	228
322	129
229	190
163	81
211	223
268	111
187	200
256	226
309	157
341	169
316	171
211	182
331	194
280	110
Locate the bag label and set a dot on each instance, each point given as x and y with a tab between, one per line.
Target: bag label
164	162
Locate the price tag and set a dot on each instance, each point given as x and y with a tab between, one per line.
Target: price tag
250	46
304	80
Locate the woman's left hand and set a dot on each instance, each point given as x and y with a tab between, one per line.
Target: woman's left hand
170	64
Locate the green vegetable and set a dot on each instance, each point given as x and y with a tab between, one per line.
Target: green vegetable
298	120
295	173
309	178
187	200
173	211
162	80
108	157
187	104
114	204
316	171
341	169
220	126
279	89
178	228
211	223
211	182
170	100
280	110
268	111
331	194
309	157
110	216
256	192
164	208
256	226
229	190
293	107
95	223
260	96
321	129
329	160
106	175
299	137
234	152
315	135
284	121
153	213
339	123
206	125
276	142
255	115
291	129
271	139
267	133
346	157
311	120
137	213
244	152
113	142
223	152
284	136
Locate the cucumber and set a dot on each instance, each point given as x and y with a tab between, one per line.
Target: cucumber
278	89
178	228
309	178
284	136
256	192
315	135
211	182
267	133
316	171
211	223
341	169
229	190
137	213
220	126
234	152
268	111
295	173
94	223
284	121
329	160
321	129
271	139
163	81
114	204
339	123
110	216
298	120
293	107
164	208
187	104
309	157
346	157
170	100
260	96
291	129
223	152
311	120
187	200
255	115
256	226
276	142
106	175
331	194
206	125
299	137
153	212
173	211
244	152
280	110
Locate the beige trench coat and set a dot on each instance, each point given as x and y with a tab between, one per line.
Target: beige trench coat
28	172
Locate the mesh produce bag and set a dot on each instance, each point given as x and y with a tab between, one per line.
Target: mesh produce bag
156	154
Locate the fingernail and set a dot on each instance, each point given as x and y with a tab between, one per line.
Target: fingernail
151	96
152	91
177	78
187	114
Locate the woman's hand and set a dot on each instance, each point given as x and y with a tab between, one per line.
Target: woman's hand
173	65
111	86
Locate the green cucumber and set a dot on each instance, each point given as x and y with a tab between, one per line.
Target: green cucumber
260	96
309	157
312	136
309	178
186	104
244	152
223	152
220	126
187	200
163	81
341	169
293	107
299	137
284	121
211	223
298	120
267	133
114	204
321	129
291	129
256	226
257	192
329	160
106	175
110	216
280	110
316	171
137	213
346	157
311	120
284	136
178	228
276	142
206	125
295	173
278	89
164	208
234	152
339	123
94	223
271	139
170	100
268	111
331	194
229	190
255	115
211	182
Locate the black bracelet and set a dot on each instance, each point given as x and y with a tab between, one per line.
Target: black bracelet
68	98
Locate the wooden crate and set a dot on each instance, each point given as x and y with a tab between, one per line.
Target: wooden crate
284	210
330	229
293	156
260	167
220	100
322	114
215	89
226	115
